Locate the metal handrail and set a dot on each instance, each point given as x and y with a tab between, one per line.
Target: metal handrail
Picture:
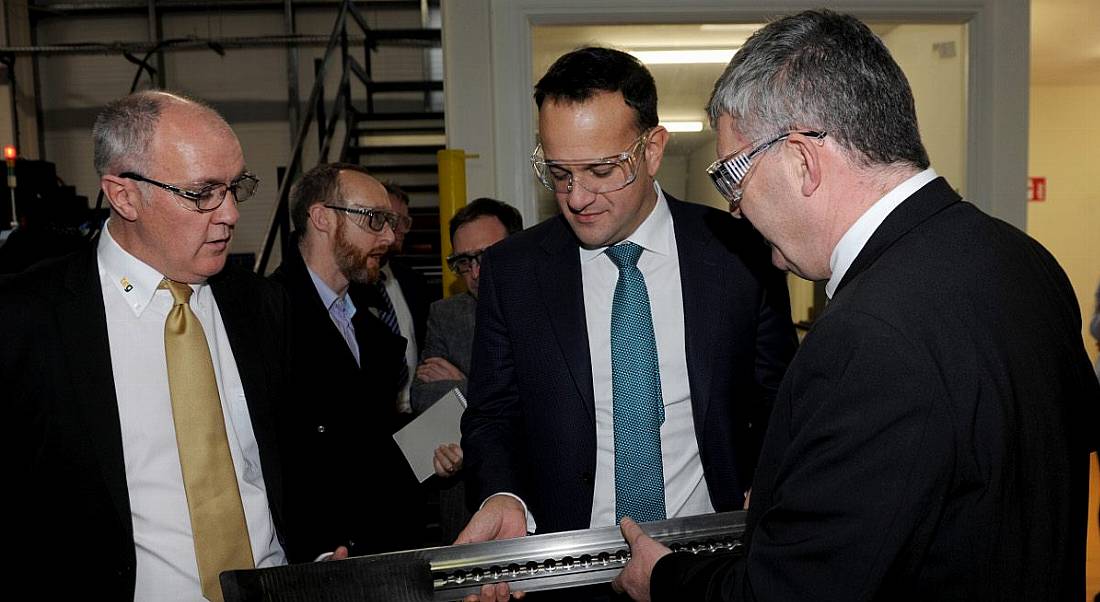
279	219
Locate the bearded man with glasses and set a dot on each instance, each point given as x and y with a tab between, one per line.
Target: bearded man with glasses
334	427
626	351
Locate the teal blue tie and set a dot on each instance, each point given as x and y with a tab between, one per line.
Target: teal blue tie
638	409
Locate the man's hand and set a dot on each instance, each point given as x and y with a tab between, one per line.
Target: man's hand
340	553
437	368
447	460
644	553
501	517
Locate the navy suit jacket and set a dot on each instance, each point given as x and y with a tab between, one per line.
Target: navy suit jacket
931	439
530	427
66	478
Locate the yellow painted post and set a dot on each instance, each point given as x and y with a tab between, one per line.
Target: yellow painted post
452	197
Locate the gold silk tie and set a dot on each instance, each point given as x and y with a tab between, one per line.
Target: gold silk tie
213	498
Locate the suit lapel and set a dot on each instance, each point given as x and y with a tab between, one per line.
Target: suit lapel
82	320
932	198
562	292
702	295
254	363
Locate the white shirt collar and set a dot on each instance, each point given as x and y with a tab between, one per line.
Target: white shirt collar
653	234
860	232
134	279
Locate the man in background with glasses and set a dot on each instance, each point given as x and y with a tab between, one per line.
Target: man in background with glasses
141	376
401	299
931	439
449	341
334	427
627	351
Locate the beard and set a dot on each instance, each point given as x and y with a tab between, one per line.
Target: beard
357	265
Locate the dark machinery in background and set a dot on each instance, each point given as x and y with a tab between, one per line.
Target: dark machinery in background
51	218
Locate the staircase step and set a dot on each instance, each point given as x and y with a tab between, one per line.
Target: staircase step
401	140
419	36
405	150
418	188
399	116
379	87
403	168
369	130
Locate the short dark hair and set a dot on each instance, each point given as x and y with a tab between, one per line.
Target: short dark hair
319	185
486	207
394	190
580	74
823	71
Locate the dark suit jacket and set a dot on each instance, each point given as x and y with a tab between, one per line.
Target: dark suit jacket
450	336
66	486
347	482
530	426
929	440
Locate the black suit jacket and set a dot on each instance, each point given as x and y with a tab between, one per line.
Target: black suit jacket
66	495
417	295
530	427
347	482
930	439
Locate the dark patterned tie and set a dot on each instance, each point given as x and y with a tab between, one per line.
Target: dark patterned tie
389	316
638	409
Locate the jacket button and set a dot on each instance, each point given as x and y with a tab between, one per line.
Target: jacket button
320	428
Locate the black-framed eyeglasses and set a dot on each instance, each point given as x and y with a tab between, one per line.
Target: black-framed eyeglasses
375	219
462	263
728	173
606	174
209	197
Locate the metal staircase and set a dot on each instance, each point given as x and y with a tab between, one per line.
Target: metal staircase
393	127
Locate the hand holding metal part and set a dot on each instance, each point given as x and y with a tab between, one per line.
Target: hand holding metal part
533	563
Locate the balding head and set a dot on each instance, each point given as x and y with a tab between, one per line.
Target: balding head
124	130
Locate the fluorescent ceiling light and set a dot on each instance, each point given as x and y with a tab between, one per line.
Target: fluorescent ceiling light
683	126
685	56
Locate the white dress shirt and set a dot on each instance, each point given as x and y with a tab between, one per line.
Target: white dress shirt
136	311
860	232
686	491
405	323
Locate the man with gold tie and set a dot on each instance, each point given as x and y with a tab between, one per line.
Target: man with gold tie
139	376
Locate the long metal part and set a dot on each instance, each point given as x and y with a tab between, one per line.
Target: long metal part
567	559
534	563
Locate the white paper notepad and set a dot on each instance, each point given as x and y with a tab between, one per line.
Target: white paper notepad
438	425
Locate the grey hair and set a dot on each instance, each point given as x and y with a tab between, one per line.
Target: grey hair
124	129
824	71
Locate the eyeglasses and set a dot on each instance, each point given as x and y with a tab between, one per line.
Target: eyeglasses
594	175
728	173
462	263
209	197
375	219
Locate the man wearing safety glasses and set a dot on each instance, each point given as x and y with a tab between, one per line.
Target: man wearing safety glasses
334	429
627	351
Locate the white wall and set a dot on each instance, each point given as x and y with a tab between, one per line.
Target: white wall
1065	149
939	86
